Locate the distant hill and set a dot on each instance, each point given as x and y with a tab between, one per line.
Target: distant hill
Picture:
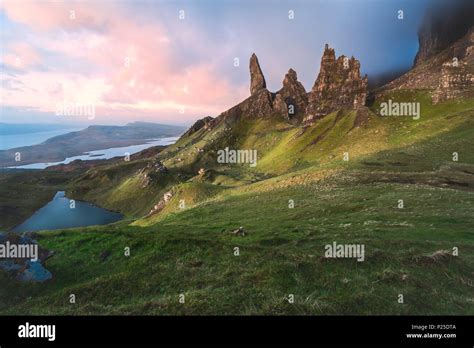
92	138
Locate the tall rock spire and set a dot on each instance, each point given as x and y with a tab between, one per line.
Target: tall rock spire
257	80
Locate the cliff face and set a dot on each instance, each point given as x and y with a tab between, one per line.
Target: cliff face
448	74
442	26
457	76
339	85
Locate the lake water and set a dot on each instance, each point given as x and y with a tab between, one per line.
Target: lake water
105	153
58	214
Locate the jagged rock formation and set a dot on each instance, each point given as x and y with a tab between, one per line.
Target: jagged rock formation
292	98
443	25
260	102
339	85
257	80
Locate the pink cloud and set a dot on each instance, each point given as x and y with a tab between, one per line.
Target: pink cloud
140	65
51	15
21	55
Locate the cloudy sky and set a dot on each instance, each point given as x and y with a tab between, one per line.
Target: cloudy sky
141	60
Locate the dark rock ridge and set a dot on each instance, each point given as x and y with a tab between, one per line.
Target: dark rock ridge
339	85
202	123
443	25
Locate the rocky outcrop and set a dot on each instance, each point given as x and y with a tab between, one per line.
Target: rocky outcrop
23	268
161	204
443	25
257	105
205	123
280	106
151	173
257	80
292	98
157	166
339	85
261	102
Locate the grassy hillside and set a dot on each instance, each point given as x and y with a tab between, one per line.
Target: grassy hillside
189	249
192	252
371	142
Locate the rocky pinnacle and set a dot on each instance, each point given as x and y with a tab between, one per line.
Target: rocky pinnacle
257	80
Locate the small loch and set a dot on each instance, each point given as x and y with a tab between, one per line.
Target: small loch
58	214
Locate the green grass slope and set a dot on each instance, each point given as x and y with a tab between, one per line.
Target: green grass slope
189	250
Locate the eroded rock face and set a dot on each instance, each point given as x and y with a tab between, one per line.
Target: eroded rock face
279	105
443	25
257	80
456	81
339	85
257	105
457	75
292	98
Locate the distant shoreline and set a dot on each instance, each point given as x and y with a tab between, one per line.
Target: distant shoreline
111	141
102	154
